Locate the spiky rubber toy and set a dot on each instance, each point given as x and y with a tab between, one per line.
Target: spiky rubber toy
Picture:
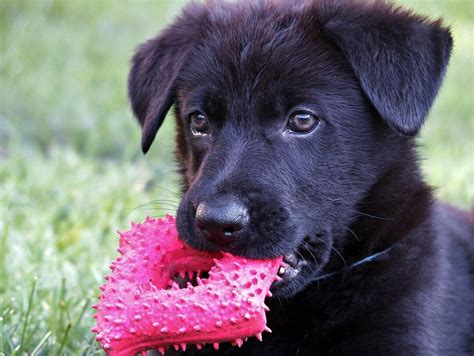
155	296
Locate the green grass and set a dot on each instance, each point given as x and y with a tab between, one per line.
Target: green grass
71	172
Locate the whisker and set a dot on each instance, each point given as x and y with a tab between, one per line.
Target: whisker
372	216
352	232
158	205
155	209
375	201
176	201
306	247
154	185
312	255
340	255
158	216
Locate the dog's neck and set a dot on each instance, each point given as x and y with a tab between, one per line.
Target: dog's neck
399	202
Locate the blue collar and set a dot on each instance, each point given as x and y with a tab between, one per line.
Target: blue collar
363	261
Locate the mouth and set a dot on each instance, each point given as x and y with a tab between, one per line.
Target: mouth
299	265
291	269
289	273
302	259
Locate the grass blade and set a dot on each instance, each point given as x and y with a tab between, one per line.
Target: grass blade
81	314
25	322
2	339
38	347
3	258
63	342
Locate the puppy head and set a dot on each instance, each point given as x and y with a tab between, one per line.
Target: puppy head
287	115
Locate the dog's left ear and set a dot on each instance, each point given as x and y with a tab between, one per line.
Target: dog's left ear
155	67
399	58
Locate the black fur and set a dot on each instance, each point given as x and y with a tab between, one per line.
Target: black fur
350	188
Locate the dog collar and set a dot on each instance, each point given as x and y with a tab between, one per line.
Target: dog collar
368	259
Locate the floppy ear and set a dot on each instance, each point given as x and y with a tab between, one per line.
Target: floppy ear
155	68
399	58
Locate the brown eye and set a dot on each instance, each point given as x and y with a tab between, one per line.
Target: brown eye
302	122
199	124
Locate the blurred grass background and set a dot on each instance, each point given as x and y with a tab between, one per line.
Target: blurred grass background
71	171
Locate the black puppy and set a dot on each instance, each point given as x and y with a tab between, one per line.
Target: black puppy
296	124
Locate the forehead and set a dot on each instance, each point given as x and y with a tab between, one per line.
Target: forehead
256	52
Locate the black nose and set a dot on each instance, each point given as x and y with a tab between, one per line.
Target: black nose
220	220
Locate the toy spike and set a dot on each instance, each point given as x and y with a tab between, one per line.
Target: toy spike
142	307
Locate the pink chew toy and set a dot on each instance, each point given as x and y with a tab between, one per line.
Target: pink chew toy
155	296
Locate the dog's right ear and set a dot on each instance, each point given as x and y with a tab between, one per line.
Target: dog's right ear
399	58
155	67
